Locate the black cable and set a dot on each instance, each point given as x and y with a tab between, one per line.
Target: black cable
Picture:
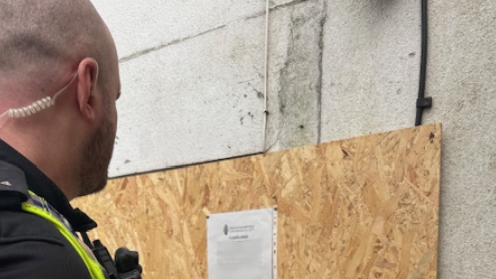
422	101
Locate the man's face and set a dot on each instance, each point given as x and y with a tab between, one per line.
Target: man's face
96	158
97	154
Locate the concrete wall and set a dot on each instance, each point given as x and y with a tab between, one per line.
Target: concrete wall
193	76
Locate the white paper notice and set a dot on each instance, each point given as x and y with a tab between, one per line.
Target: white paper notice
241	244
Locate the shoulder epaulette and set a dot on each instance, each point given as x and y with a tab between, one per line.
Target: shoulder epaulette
13	187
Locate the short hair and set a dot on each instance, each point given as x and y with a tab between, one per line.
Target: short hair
38	35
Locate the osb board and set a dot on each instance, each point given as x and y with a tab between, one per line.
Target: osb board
360	208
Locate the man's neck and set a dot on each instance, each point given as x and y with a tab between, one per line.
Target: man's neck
51	163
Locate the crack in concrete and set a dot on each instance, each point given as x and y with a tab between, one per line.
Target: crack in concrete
173	42
176	41
278	137
289	4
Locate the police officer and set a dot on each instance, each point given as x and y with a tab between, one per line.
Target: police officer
59	82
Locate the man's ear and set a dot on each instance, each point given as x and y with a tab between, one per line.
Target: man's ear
87	73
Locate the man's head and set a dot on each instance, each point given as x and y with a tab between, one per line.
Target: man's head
43	44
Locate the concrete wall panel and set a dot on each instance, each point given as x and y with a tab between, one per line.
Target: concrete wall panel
140	26
370	67
462	65
295	74
194	101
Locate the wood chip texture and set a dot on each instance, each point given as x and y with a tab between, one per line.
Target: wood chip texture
364	207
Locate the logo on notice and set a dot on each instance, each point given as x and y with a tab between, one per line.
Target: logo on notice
6	183
226	229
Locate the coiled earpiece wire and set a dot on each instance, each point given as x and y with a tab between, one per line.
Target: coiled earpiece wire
37	106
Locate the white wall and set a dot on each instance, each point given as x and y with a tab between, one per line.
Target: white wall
192	74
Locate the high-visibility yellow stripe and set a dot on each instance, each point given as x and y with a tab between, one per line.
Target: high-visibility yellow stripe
93	267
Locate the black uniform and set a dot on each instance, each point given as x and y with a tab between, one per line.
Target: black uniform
30	246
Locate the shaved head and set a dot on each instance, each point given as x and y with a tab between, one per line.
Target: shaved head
39	38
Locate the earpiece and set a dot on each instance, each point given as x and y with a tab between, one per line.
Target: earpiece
37	106
31	109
